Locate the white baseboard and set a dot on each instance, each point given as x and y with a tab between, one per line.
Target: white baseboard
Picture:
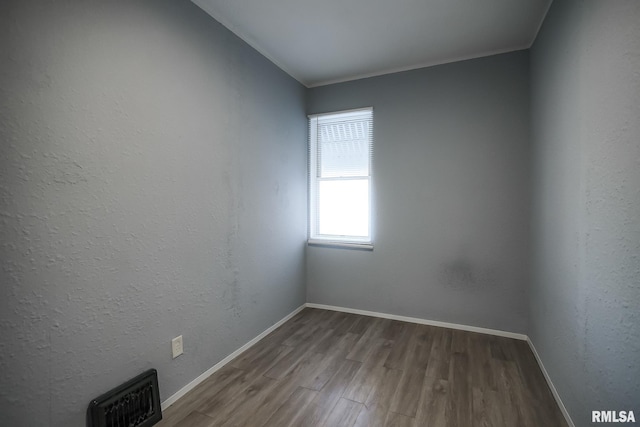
563	409
422	321
184	390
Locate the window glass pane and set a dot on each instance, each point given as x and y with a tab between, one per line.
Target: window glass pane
344	207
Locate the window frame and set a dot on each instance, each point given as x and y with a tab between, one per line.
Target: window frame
314	237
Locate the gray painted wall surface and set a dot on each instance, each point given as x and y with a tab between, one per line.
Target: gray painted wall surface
585	298
451	165
152	183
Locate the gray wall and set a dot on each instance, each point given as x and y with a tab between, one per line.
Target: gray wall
152	183
451	166
585	320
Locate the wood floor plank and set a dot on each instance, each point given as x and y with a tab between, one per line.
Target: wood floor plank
195	419
506	390
308	332
394	329
480	405
292	410
459	341
433	403
438	366
308	316
522	399
343	414
204	392
326	368
459	408
247	400
401	342
279	394
398	420
407	396
479	364
342	322
319	409
425	335
284	365
333	359
339	327
368	338
369	374
262	359
376	407
361	324
215	402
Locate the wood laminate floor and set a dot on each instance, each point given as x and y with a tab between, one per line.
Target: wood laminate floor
326	368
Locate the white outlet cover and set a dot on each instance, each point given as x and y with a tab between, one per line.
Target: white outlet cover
176	346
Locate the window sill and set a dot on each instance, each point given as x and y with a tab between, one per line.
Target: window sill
342	245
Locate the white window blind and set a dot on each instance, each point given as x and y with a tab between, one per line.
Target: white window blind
340	153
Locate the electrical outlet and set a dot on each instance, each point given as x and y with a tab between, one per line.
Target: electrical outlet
176	346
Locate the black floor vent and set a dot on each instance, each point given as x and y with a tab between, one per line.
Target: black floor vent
135	403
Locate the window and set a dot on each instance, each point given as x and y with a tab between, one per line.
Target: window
340	149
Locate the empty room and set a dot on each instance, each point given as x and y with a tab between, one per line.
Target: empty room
358	213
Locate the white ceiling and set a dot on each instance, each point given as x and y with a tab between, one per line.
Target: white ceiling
328	41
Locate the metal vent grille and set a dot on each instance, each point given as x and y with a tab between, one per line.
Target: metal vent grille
135	403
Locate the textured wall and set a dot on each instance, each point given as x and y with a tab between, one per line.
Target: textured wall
451	176
152	183
585	305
